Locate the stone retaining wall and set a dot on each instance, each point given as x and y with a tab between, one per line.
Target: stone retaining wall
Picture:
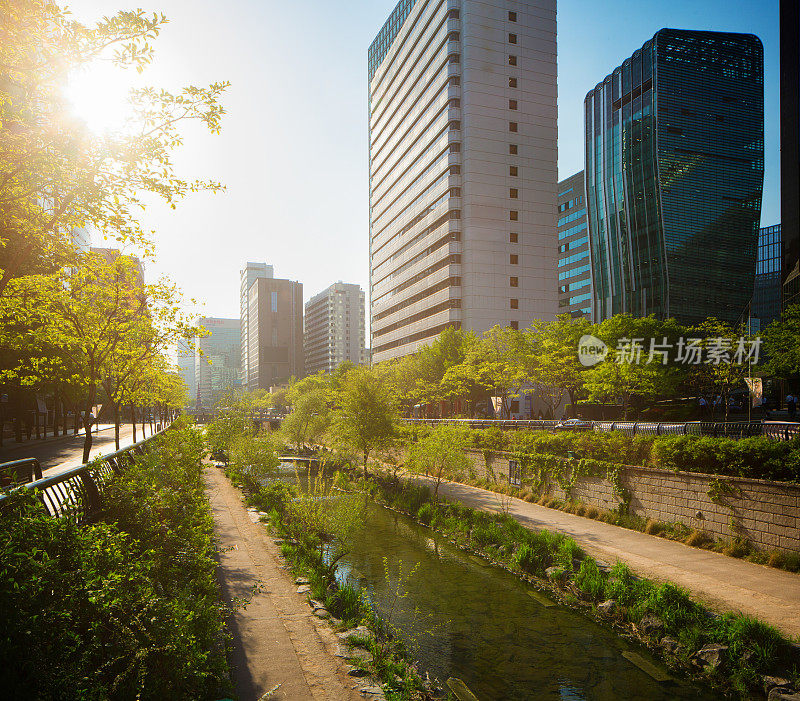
765	513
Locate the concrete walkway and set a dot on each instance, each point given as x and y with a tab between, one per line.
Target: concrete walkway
723	583
276	638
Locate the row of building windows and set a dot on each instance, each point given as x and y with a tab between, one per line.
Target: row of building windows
571	245
564	206
574	272
572	217
572	230
573	258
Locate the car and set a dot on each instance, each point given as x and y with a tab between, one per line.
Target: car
574	425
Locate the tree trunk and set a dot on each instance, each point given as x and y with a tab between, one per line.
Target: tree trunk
87	423
366	457
144	423
133	421
116	426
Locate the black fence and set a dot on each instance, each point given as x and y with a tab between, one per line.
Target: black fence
76	494
779	431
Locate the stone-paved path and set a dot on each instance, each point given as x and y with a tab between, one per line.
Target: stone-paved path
722	582
276	638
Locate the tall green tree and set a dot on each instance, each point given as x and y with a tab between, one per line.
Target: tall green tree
366	415
551	358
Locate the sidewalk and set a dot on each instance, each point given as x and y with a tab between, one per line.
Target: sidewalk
10	446
723	583
276	639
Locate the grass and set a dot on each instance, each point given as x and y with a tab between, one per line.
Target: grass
754	647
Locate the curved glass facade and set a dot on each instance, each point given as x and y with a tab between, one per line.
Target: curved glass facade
674	174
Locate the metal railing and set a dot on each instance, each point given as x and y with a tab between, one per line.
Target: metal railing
18	472
77	493
778	431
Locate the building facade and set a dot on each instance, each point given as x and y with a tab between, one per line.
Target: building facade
462	134
790	148
247	276
216	361
335	328
766	304
674	172
275	332
574	274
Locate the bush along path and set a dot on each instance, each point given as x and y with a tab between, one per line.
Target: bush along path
126	608
736	654
312	533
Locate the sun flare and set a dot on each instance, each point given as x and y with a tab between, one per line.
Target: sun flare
98	95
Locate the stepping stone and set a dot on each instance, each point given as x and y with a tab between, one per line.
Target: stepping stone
647	667
356	672
303	589
541	599
460	690
316	604
360	632
301	580
372	692
322	613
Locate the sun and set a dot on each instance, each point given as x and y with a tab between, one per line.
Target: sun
98	95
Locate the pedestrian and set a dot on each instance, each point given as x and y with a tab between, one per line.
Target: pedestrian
703	407
765	408
791	405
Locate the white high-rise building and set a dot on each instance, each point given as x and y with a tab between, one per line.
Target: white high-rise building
335	328
463	169
251	273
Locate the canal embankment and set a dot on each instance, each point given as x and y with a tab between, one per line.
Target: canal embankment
723	583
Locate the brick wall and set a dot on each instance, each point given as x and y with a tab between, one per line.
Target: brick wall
765	513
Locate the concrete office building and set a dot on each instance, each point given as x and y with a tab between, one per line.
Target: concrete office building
187	370
335	328
462	134
674	173
247	276
217	359
574	274
275	332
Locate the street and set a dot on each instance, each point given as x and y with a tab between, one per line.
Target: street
59	454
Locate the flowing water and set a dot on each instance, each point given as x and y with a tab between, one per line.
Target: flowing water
479	623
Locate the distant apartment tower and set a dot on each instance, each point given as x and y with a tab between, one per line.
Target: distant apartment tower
790	148
217	358
111	254
674	172
275	332
335	328
462	135
766	304
187	370
574	274
247	276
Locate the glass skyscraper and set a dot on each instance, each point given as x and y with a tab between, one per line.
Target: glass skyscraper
674	174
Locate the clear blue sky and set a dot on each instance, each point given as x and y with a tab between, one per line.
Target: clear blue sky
293	149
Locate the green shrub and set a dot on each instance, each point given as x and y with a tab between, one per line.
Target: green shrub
276	495
126	608
425	513
589	579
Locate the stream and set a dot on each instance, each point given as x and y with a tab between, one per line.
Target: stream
464	618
